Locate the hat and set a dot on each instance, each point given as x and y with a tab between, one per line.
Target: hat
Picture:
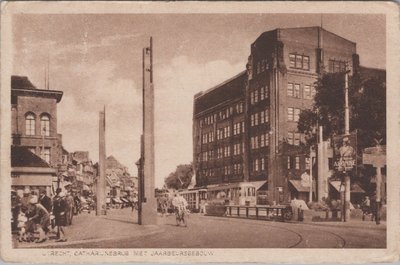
27	191
345	139
33	200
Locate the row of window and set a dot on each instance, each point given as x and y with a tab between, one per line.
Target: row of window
259	95
259	141
236	169
259	118
299	61
207	137
293	114
293	90
261	66
223	133
223	114
293	162
30	124
258	164
294	138
238	128
336	66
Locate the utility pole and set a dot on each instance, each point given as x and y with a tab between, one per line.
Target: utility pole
101	183
311	175
347	132
149	209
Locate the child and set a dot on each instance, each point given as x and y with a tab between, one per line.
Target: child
22	227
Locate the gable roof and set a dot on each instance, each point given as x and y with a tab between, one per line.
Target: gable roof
22	157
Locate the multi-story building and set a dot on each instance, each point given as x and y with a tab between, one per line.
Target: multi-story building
34	128
34	119
245	129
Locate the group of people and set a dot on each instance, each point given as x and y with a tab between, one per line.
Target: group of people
32	214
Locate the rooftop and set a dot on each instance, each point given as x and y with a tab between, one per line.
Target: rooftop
22	157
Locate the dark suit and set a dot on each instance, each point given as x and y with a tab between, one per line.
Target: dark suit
46	202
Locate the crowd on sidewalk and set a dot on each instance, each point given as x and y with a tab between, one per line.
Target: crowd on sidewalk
35	215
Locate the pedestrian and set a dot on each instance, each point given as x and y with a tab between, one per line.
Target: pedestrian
70	207
41	218
366	207
373	207
45	200
60	214
180	205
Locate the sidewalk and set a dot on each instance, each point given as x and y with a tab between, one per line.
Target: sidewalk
85	228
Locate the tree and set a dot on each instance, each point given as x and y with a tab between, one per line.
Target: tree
367	100
180	178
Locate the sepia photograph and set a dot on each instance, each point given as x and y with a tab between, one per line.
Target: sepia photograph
180	132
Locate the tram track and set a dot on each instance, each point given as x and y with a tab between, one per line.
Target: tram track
340	241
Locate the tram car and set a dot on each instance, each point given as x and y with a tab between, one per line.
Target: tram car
194	198
242	194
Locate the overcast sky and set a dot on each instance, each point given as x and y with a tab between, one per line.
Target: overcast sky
96	61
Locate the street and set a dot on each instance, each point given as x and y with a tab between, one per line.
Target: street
118	230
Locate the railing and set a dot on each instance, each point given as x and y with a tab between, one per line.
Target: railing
278	212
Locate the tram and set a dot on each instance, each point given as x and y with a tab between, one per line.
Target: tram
241	194
194	197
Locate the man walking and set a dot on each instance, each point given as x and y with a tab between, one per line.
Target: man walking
45	200
60	214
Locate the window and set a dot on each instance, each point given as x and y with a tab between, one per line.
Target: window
307	92
290	138
290	89
296	91
266	135
30	124
298	61
336	66
266	115
307	160
256	96
263	93
262	164
256	142
251	98
46	155
297	162
262	117
45	125
252	119
313	92
236	128
292	60
306	63
289	166
290	114
256	119
256	165
296	115
242	126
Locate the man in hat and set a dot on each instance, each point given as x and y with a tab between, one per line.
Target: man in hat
60	214
41	218
45	200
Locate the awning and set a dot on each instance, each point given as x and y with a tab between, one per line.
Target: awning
355	188
300	188
258	184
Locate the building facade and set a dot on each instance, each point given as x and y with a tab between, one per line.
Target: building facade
37	151
34	119
245	129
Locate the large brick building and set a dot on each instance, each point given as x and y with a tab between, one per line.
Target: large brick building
34	128
245	129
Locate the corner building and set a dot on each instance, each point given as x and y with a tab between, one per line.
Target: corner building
245	129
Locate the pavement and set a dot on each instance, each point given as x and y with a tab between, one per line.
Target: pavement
118	229
88	228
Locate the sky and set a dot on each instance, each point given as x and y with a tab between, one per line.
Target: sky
95	59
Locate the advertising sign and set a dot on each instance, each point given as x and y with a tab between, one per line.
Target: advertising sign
345	152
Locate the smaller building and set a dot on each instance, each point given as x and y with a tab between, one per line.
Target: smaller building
30	171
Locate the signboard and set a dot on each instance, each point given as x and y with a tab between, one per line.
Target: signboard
345	152
375	156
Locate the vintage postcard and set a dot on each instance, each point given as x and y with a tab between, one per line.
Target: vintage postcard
199	132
